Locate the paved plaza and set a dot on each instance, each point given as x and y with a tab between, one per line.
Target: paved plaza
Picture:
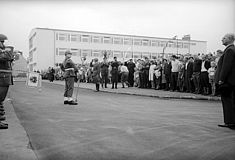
107	125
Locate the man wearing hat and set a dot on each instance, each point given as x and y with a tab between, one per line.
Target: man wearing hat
69	69
6	58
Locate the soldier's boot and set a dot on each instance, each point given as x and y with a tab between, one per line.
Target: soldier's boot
3	125
112	85
97	87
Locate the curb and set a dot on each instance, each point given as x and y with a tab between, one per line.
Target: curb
156	96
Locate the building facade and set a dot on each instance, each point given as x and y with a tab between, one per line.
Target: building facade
47	46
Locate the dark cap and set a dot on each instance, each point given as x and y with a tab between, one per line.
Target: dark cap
67	52
3	37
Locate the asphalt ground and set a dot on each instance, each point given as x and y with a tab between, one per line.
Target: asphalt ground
117	126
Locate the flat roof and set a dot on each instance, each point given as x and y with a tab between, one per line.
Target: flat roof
112	34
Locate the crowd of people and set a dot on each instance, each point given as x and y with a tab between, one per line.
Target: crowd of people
182	73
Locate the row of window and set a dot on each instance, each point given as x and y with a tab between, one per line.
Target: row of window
100	53
120	40
31	40
31	53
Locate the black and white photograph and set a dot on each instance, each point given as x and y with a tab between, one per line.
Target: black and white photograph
117	80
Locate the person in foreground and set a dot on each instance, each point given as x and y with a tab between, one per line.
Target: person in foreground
225	80
69	69
6	58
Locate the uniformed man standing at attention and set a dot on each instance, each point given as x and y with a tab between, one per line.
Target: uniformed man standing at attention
69	69
6	58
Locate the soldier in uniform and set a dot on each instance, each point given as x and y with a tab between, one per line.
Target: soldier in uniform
104	72
6	58
69	69
114	72
96	74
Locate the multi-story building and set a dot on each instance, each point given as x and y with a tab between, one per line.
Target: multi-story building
47	46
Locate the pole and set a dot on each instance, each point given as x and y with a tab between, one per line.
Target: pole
177	45
189	46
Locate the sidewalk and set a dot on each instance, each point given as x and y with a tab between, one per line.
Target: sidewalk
143	92
14	142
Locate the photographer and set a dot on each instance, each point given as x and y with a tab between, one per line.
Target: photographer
6	58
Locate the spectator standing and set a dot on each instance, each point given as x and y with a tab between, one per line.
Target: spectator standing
141	73
180	81
131	68
151	73
167	72
104	68
96	74
188	75
114	72
174	72
197	64
163	77
204	79
124	75
211	75
219	53
137	73
146	65
157	75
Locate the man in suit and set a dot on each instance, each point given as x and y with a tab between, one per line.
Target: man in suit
188	74
104	69
226	77
197	64
131	68
167	72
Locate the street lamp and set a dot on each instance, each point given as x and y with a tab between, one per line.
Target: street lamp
163	51
170	41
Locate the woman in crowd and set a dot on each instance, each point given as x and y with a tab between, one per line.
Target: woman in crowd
157	74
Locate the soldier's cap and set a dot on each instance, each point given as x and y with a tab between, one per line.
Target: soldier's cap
96	59
3	37
67	52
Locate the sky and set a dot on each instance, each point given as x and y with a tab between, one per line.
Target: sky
205	20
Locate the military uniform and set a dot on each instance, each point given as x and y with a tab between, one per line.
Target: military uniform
6	58
96	74
104	73
114	73
69	69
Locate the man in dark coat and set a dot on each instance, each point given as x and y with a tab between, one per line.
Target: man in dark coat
114	72
197	64
225	77
104	69
131	68
167	72
6	58
96	74
188	74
